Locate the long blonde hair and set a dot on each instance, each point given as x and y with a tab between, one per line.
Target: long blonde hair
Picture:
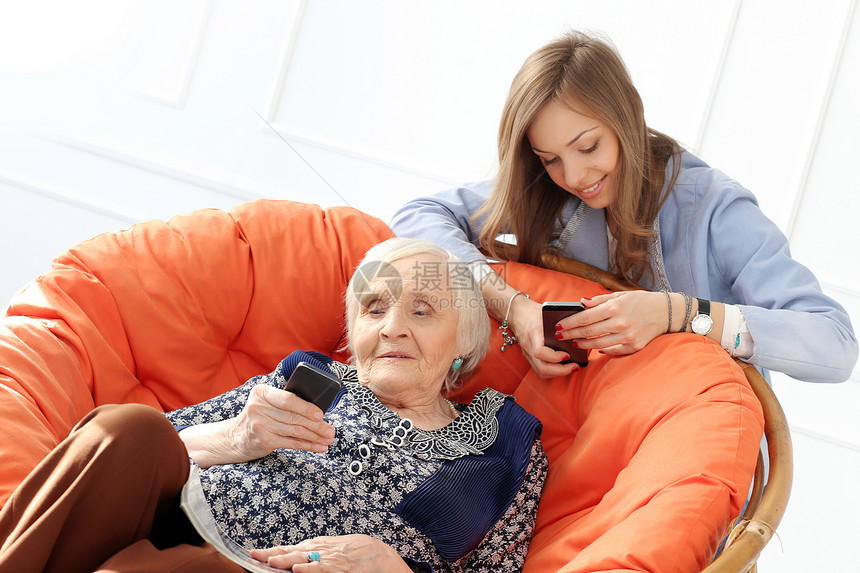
582	70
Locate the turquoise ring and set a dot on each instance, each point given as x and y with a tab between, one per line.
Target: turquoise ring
313	556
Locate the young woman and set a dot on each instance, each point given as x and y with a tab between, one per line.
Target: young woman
583	176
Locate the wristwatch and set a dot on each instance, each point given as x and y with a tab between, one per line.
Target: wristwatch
702	323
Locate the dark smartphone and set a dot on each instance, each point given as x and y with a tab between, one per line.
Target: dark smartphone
552	313
314	385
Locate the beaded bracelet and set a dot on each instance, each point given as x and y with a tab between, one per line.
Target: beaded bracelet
509	339
688	303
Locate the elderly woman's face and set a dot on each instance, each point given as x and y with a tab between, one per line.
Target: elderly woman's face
405	334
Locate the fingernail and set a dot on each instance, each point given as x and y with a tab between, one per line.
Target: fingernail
575	368
559	335
575	345
566	357
585	298
559	327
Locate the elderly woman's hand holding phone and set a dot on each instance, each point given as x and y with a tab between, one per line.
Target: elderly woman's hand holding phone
271	419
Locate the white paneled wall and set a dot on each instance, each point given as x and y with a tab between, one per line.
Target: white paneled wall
116	111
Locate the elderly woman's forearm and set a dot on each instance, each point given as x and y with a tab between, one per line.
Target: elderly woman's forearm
210	444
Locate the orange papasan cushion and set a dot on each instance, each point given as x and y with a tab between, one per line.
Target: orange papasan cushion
172	313
650	455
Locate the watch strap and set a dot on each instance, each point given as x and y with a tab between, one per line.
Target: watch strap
704	306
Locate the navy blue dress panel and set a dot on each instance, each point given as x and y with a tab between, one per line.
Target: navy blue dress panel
461	502
289	363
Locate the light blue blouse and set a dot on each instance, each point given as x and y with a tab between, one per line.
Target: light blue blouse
713	242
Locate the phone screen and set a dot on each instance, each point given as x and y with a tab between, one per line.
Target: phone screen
552	313
314	385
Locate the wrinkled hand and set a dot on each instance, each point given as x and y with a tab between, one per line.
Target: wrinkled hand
271	419
618	323
527	323
352	553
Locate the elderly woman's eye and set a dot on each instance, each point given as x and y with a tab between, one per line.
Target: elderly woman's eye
374	307
422	307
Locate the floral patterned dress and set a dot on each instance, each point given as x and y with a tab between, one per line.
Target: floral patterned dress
460	498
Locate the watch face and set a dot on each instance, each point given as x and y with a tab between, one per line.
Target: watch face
702	324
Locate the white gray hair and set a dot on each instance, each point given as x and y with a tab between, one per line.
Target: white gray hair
473	324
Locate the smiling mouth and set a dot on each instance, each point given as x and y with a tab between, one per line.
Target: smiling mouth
591	189
394	355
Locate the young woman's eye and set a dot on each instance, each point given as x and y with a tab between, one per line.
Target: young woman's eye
548	162
593	148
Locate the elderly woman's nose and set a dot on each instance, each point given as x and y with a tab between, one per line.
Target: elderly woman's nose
394	324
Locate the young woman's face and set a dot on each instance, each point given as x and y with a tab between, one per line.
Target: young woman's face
579	152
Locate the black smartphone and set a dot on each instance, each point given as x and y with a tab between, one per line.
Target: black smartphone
314	385
553	312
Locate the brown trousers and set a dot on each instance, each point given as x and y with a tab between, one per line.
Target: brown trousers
106	499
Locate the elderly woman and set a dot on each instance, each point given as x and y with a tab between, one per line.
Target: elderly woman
392	477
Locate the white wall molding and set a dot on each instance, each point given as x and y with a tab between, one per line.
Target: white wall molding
841	289
160	164
284	61
825	437
64	196
178	98
348	151
820	120
270	126
718	77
